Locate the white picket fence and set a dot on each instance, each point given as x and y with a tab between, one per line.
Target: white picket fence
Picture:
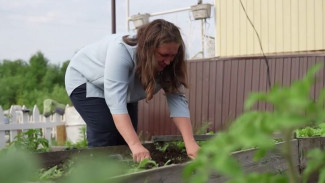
19	120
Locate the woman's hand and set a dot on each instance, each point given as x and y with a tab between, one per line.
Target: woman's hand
185	127
124	126
139	152
192	149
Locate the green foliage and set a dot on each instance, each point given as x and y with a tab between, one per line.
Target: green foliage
29	83
145	163
180	145
293	109
204	129
162	147
31	140
17	166
50	174
83	143
95	168
98	168
140	166
318	131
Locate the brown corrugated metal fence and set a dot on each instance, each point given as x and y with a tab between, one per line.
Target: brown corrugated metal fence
218	88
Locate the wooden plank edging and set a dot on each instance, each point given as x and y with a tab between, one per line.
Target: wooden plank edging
306	144
171	138
272	162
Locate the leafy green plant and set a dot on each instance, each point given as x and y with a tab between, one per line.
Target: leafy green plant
17	165
162	146
167	162
144	164
83	143
180	145
98	168
293	109
73	170
31	140
318	131
50	174
204	129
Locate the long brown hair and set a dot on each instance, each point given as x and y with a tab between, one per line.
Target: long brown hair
150	37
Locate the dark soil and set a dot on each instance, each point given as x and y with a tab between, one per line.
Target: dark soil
173	154
163	153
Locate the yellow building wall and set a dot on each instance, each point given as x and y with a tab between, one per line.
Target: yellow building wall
283	26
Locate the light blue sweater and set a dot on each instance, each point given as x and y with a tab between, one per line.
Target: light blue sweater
108	68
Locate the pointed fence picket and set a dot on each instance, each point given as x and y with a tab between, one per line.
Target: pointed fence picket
20	120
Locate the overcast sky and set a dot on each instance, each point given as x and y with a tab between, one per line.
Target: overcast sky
58	28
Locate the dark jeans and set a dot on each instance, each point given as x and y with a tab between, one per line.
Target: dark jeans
101	130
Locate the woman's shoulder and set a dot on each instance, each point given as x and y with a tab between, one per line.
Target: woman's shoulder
110	42
131	49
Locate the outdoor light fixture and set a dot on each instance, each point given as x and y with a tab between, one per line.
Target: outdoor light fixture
201	11
140	19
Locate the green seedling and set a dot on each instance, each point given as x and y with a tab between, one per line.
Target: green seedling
31	140
83	143
161	147
142	165
204	129
167	162
50	174
180	145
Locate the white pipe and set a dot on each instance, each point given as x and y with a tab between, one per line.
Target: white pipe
164	12
171	11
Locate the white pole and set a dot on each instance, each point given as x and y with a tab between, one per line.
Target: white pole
202	37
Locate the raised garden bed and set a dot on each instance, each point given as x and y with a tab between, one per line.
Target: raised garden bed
272	162
172	154
172	138
159	152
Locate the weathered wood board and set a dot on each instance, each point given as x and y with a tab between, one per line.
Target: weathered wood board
172	138
272	162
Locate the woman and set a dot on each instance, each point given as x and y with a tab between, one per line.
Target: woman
105	80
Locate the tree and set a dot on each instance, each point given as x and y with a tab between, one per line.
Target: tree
37	68
30	83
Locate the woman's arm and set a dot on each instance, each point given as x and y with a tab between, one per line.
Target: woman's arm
116	79
124	126
185	127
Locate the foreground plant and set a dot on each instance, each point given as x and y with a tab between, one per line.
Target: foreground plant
293	109
17	165
31	140
99	168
